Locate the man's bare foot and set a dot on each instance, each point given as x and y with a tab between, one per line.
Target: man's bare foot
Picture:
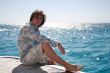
71	67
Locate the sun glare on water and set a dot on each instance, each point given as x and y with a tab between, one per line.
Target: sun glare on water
58	25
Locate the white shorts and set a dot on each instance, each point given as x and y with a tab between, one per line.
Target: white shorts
35	55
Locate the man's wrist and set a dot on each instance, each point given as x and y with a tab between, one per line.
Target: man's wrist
58	43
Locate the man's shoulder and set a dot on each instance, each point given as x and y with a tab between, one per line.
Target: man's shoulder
25	27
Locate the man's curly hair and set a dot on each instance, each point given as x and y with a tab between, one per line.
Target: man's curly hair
37	13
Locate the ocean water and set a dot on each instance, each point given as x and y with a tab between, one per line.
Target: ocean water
86	44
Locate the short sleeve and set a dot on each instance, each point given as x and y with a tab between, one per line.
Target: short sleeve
52	42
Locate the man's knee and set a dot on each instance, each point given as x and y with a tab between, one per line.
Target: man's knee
45	42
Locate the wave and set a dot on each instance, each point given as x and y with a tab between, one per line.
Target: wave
8	27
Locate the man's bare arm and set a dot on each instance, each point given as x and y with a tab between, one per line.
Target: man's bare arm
61	48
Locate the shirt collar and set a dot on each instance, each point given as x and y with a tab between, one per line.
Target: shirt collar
33	26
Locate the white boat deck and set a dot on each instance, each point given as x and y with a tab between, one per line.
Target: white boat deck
11	64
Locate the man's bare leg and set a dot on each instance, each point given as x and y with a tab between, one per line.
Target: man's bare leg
53	56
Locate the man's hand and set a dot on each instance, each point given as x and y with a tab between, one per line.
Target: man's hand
61	48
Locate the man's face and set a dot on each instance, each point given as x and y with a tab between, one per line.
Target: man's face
37	20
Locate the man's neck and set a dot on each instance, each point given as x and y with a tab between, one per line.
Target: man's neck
34	25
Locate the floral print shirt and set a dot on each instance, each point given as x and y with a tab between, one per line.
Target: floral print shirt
29	37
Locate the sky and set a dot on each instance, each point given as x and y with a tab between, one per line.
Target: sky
57	11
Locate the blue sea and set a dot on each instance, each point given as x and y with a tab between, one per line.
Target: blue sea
85	44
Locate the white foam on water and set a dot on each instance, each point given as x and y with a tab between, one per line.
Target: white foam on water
97	59
67	50
3	29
